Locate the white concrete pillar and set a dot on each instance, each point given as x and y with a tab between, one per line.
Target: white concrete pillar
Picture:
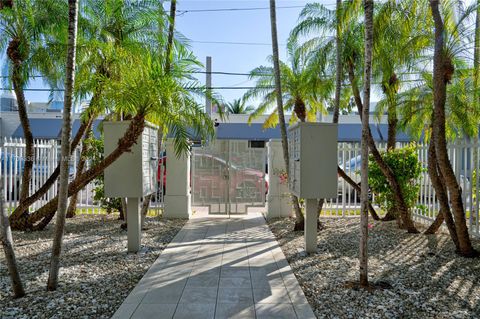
134	227
278	197
311	220
177	186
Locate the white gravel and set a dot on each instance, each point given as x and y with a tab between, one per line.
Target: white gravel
96	272
429	280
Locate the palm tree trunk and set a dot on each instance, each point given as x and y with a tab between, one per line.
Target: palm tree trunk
65	152
72	205
27	132
171	29
368	5
392	180
17	58
476	54
7	243
338	64
299	219
392	126
145	207
442	72
441	192
125	144
123	210
357	188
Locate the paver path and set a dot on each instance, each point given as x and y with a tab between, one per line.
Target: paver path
219	268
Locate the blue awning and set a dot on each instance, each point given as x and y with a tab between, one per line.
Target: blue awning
41	129
52	128
346	132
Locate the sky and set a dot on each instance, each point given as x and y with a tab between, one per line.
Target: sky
250	29
228	26
236	26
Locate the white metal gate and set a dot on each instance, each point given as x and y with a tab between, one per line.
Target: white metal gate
228	176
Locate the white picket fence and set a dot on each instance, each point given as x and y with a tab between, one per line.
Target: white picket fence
461	153
47	154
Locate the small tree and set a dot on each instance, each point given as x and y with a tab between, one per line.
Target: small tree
65	159
406	167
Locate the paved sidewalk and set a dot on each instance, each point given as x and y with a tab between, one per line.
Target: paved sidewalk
219	268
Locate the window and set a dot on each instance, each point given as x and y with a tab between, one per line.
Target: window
256	144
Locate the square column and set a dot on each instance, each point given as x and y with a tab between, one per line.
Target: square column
134	227
278	197
177	186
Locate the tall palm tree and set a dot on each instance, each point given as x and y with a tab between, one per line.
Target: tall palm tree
299	221
401	40
107	57
368	7
443	70
65	152
23	27
321	21
238	106
110	33
304	90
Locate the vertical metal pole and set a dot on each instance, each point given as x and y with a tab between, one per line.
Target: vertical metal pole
208	85
310	233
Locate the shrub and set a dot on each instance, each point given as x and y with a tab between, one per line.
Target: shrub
94	156
407	169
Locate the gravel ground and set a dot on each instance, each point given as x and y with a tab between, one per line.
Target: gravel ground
428	280
96	273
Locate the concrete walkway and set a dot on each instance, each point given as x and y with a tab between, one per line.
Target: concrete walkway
219	268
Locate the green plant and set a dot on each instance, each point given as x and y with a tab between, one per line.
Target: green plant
94	155
407	169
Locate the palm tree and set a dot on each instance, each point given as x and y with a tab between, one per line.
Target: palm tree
65	152
23	27
319	20
106	55
304	91
401	39
299	222
368	7
238	106
443	70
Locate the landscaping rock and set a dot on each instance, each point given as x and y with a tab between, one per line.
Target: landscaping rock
96	272
421	276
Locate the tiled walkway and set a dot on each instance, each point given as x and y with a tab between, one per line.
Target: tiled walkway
219	268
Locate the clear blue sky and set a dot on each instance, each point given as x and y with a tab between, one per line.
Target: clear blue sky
228	26
236	26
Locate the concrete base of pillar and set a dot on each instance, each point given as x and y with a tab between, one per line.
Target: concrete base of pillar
279	206
134	230
177	206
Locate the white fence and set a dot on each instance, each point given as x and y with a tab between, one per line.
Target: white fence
47	154
464	163
12	154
